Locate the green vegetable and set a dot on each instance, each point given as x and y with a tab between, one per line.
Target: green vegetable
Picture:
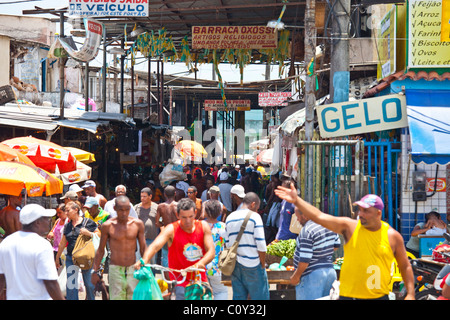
282	248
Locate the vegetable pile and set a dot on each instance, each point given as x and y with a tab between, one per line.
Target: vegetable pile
282	248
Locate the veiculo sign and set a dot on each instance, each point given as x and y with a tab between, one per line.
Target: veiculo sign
362	116
113	8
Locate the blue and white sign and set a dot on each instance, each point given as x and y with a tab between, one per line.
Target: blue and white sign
108	8
362	116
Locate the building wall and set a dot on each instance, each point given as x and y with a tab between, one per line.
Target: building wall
4	58
34	29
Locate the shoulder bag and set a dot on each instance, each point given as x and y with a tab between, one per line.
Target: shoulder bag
227	258
83	253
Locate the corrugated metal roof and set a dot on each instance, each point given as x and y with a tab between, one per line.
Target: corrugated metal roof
47	118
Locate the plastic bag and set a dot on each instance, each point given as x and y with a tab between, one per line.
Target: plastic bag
437	256
278	266
62	279
147	287
198	291
172	172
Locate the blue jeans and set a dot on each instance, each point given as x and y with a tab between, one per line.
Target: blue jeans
250	282
72	281
316	284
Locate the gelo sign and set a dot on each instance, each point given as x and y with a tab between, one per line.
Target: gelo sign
362	116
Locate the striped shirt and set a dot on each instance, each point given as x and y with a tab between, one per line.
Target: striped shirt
315	246
252	241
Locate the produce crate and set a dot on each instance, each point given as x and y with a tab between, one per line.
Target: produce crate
274	277
275	259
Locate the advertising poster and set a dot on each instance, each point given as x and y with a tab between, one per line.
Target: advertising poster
425	48
387	44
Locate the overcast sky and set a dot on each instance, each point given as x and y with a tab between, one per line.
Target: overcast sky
15	7
229	72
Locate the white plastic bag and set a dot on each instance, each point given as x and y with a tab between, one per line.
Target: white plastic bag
174	170
171	172
62	279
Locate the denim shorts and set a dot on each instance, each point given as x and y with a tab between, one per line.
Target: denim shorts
250	283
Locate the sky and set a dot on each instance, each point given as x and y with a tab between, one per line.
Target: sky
229	72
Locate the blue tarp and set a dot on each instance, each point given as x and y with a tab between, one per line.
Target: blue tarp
429	125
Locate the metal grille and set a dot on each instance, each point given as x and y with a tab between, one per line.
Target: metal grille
331	174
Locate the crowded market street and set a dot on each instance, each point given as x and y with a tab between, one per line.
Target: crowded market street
225	151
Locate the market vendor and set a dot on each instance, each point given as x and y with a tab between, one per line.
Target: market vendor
313	260
432	226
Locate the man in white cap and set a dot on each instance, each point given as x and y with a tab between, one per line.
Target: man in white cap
371	246
69	196
237	195
27	267
89	187
76	188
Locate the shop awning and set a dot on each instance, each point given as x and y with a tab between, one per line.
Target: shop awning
429	125
295	120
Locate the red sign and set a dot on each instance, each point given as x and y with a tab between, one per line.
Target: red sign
95	27
232	105
273	99
440	187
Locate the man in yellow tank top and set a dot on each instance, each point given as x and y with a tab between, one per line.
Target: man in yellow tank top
371	246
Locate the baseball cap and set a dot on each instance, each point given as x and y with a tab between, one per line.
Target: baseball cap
75	187
72	195
90	202
89	183
238	190
223	176
370	200
31	212
214	189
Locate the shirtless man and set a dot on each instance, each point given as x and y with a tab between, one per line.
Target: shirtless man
9	215
165	215
89	188
192	194
122	233
167	211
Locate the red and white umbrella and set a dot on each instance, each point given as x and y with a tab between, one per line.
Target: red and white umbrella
44	154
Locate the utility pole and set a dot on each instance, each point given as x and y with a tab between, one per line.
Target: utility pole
104	71
339	65
62	64
310	92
